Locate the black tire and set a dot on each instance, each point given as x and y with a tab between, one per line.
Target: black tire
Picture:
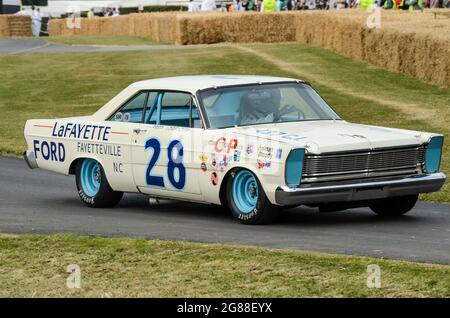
394	206
264	212
104	198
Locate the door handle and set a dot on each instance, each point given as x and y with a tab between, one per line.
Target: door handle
138	130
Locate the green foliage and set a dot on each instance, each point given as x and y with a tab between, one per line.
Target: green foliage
41	3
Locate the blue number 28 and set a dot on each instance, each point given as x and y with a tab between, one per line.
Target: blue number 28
175	164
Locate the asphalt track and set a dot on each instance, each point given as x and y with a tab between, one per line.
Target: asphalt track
37	201
20	46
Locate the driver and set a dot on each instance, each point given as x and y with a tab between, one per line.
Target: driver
259	107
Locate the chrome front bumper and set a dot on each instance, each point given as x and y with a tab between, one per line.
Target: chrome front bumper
360	191
29	159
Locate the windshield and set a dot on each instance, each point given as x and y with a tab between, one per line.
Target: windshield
262	104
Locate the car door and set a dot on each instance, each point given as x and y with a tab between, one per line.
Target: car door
166	146
116	153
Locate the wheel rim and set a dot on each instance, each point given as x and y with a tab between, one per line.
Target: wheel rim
245	191
90	177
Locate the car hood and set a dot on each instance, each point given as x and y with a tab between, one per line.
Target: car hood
332	136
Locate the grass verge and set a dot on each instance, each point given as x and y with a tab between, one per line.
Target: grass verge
56	85
35	266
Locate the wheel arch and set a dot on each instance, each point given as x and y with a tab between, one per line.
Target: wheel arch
74	163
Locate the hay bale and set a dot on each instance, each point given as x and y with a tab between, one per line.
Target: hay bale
4	26
15	25
235	27
407	43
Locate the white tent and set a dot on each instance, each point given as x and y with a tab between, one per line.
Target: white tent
57	7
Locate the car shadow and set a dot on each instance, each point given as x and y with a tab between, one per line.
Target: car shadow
300	216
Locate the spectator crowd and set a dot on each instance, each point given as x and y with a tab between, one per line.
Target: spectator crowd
261	6
288	5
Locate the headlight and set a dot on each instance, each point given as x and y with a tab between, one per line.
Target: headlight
294	167
433	154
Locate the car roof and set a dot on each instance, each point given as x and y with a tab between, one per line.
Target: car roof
190	84
198	82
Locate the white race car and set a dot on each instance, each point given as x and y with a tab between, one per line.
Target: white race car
252	143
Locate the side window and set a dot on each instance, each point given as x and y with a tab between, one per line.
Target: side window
174	109
132	111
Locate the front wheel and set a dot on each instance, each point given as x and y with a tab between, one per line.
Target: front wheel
93	187
394	206
247	200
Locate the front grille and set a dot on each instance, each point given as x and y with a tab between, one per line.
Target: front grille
363	163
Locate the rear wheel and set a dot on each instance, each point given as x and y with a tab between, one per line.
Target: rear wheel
394	206
93	187
247	200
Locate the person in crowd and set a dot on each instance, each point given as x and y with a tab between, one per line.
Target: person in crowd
366	4
208	5
236	6
259	5
340	4
140	8
389	5
290	4
322	4
248	5
192	6
269	5
90	14
414	5
277	5
310	4
280	5
36	21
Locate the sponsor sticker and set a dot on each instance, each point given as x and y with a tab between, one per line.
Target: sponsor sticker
213	159
265	152
203	157
280	134
222	145
279	153
214	179
237	156
249	149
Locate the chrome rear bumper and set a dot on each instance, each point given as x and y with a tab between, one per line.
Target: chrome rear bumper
28	155
360	191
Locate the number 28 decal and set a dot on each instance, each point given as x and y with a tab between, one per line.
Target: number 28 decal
175	164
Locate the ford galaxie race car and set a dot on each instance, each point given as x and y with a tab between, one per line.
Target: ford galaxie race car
252	143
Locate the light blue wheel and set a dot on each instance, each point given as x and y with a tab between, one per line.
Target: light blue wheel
90	177
245	191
